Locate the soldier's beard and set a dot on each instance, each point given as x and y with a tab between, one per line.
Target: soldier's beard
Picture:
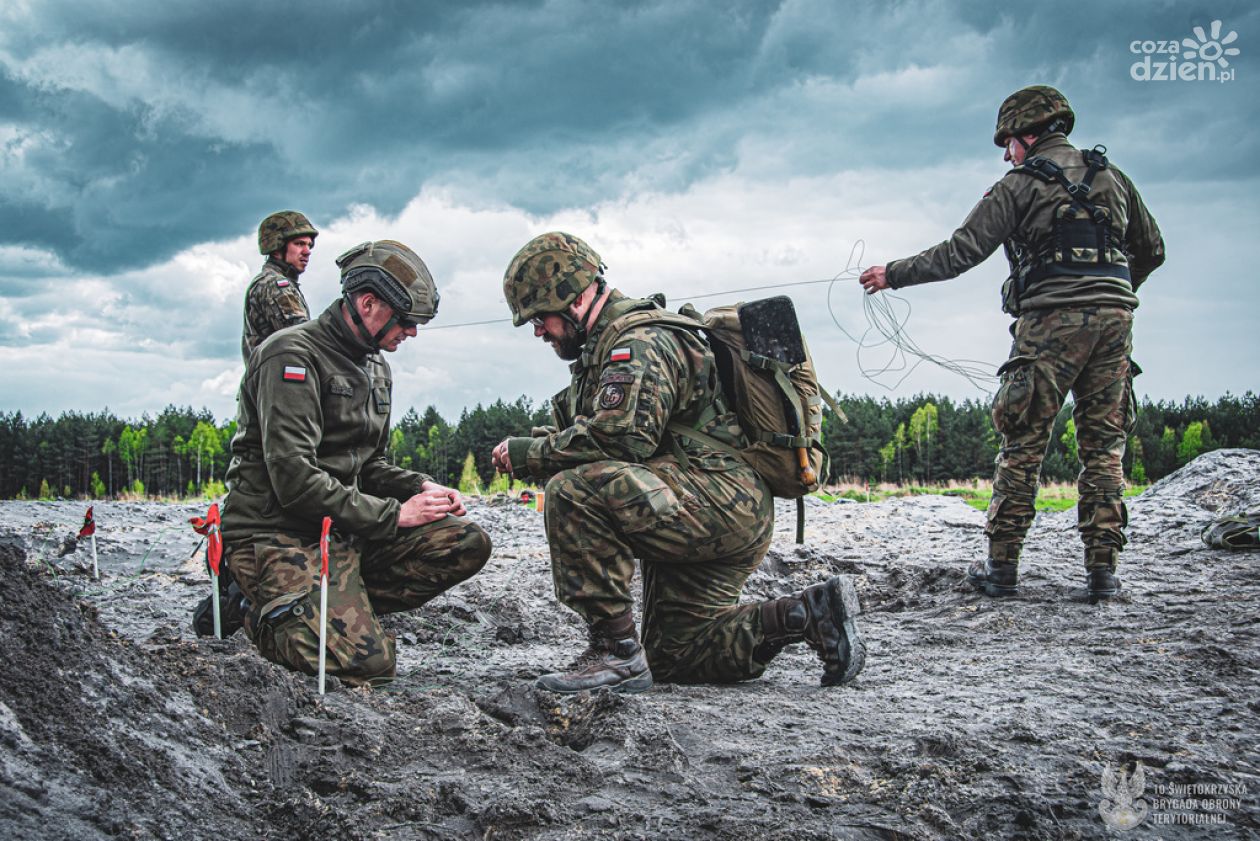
569	346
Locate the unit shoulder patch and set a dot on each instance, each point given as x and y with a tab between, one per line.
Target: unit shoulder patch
612	395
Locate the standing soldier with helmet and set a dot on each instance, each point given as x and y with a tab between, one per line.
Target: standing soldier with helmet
1080	242
273	298
622	484
312	430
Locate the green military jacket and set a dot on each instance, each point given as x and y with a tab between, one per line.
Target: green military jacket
312	427
1019	211
273	300
618	407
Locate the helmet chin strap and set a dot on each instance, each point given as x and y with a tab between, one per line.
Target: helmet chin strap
581	328
374	342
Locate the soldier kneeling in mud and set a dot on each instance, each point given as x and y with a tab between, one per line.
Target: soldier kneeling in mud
313	424
621	484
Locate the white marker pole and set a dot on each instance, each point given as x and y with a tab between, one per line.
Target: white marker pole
323	599
323	628
96	572
214	602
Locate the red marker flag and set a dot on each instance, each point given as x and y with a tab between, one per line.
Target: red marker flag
323	547
210	527
89	524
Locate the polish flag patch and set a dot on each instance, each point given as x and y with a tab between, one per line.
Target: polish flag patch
282	283
294	374
619	354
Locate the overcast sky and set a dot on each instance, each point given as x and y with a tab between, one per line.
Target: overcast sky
700	147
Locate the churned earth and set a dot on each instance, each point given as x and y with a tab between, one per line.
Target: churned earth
974	718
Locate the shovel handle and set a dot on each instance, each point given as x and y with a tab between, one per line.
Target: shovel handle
807	473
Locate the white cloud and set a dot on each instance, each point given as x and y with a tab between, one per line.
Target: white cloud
110	343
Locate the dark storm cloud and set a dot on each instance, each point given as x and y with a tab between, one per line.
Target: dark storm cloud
130	131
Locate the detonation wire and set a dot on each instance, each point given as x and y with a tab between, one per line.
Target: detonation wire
886	316
699	297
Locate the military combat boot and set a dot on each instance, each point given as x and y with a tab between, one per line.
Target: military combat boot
1100	574
233	606
994	578
614	660
823	616
998	575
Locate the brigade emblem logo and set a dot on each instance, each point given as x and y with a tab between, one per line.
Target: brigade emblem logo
1123	807
612	396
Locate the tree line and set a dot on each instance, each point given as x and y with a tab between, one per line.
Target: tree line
924	439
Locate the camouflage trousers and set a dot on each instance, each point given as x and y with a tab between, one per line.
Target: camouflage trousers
1085	350
698	533
279	573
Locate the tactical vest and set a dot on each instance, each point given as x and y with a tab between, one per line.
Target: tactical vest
1082	241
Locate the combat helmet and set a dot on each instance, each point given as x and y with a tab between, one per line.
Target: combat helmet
548	274
396	275
280	227
1030	109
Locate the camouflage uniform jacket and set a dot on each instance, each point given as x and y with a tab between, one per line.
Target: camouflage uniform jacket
1019	211
617	408
312	428
273	300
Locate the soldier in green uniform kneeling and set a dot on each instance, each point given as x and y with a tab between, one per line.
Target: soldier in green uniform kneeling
620	485
313	425
1080	242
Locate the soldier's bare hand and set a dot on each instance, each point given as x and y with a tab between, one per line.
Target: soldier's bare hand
428	506
500	459
873	280
457	501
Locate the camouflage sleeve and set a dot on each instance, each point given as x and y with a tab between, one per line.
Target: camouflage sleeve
989	224
289	417
272	306
1144	244
639	384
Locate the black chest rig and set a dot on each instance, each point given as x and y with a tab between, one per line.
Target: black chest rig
1082	242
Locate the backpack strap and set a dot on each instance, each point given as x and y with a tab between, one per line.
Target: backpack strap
1047	170
1038	267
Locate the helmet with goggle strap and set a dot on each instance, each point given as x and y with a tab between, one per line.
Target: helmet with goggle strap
397	276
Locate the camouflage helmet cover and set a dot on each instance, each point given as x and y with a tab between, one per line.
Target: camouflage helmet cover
395	273
548	274
280	227
1029	109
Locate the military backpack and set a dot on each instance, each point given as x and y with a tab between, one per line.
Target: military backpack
768	380
1240	531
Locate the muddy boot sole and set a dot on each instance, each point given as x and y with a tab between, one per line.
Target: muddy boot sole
835	612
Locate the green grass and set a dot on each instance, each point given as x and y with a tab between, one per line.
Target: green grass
1057	497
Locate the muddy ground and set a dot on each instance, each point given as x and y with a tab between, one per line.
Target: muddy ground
974	718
